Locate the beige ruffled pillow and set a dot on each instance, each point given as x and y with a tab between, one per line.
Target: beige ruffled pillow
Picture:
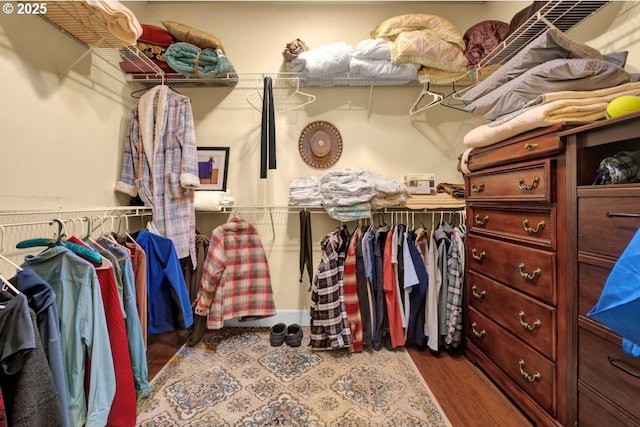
187	34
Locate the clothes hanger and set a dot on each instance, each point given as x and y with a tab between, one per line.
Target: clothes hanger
436	100
58	240
126	228
6	285
453	100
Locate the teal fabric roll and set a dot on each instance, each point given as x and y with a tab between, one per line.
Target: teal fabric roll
191	61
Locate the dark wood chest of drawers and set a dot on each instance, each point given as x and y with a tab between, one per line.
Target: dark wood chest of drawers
516	292
542	240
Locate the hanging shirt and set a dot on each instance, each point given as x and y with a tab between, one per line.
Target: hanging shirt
381	327
123	407
367	259
160	165
83	326
329	326
390	287
236	281
350	289
27	385
455	282
42	300
364	292
433	295
168	300
442	236
139	265
417	297
132	322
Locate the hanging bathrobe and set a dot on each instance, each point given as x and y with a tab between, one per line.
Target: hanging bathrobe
160	165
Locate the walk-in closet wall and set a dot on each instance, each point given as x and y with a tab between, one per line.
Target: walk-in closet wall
62	141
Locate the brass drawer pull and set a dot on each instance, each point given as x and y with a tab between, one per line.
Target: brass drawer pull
622	214
482	221
532	230
477	189
530	146
476	294
526	325
526	375
476	256
536	273
524	187
622	367
475	331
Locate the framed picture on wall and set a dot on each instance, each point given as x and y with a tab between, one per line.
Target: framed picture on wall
213	165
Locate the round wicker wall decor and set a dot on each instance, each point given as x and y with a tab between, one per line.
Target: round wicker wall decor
320	144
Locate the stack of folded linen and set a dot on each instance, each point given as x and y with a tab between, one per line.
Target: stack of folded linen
305	192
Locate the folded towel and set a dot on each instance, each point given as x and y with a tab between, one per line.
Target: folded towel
191	61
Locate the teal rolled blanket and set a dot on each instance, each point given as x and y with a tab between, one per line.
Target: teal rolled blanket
191	61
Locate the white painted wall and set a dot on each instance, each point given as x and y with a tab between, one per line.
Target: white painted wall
62	141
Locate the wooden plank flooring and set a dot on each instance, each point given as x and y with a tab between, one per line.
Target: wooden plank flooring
465	394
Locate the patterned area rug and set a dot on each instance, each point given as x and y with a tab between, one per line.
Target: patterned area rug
235	378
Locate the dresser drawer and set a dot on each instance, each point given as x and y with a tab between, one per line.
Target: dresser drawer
604	366
527	146
535	374
529	320
522	182
597	411
591	280
526	269
601	227
534	225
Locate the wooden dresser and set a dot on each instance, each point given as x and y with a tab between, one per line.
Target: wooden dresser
516	292
541	242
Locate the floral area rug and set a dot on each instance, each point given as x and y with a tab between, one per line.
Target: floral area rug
234	377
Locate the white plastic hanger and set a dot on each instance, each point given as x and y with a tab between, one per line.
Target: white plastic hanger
6	285
436	100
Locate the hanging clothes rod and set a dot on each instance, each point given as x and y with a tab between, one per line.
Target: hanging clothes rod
318	209
107	209
64	218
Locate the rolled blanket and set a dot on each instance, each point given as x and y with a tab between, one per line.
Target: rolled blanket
323	60
191	61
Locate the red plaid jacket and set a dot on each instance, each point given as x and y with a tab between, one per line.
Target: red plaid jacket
235	281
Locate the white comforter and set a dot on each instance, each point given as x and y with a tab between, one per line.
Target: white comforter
369	58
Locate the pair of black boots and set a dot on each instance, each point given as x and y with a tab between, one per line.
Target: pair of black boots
291	334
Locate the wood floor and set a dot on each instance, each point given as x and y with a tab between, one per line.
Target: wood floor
465	394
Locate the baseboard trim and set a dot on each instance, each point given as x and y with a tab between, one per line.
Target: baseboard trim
288	317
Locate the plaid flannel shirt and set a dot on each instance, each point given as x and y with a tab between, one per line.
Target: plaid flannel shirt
329	325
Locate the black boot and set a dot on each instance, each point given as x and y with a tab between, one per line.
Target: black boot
199	328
